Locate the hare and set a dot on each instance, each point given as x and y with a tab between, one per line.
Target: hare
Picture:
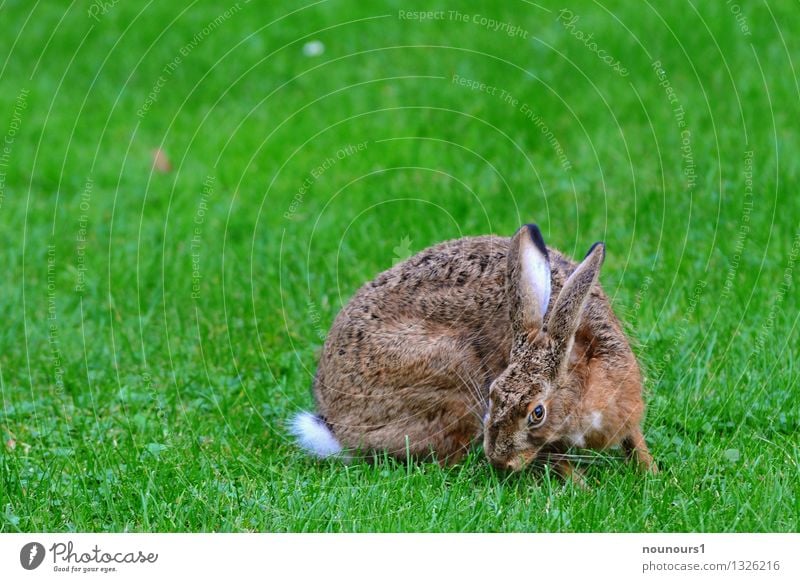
487	337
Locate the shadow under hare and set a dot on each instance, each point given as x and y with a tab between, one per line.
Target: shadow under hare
487	338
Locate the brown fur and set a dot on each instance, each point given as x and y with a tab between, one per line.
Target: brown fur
413	360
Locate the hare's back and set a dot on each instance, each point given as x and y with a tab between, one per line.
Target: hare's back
444	284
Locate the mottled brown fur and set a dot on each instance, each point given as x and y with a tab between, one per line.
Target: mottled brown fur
409	362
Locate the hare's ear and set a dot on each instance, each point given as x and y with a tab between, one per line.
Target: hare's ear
528	281
569	305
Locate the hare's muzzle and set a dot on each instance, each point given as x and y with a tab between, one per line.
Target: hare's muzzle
519	461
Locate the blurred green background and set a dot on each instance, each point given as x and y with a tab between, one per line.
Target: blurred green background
189	192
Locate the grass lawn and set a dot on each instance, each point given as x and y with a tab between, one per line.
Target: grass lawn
160	325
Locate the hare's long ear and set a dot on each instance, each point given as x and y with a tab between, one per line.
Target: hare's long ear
528	281
569	305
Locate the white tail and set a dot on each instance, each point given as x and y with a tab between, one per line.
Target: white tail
314	436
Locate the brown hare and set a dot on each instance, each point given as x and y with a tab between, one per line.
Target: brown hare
487	337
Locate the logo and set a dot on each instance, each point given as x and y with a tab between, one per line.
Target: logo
31	555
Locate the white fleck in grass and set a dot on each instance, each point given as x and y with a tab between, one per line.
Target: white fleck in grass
313	48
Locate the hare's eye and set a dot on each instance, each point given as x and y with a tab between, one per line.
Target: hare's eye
536	417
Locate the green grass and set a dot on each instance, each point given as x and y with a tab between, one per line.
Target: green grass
154	398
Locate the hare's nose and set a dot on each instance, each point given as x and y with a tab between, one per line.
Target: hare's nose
502	464
498	463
